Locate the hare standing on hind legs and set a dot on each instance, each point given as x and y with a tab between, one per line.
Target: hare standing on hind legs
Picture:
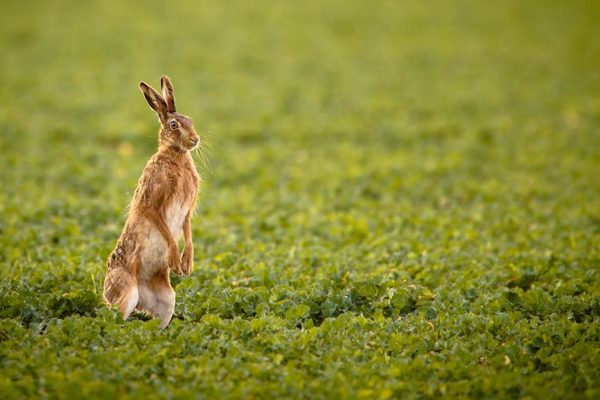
137	275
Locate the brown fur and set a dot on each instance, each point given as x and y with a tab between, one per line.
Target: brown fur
161	209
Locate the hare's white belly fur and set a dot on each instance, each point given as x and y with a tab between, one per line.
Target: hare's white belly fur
154	249
175	216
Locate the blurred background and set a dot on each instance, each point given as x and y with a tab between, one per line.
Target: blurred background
397	171
391	125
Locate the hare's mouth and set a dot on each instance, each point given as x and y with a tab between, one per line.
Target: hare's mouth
194	143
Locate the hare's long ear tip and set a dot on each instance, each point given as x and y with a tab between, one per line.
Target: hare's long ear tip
143	84
164	77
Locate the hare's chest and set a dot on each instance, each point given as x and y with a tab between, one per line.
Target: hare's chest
154	248
181	203
175	215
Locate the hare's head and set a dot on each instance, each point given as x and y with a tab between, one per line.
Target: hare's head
176	130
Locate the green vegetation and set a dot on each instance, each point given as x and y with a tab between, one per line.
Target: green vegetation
405	200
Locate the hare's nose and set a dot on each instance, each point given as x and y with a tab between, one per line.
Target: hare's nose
194	140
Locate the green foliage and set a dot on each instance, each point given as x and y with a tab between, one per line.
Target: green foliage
404	199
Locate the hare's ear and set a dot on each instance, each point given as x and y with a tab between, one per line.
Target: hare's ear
167	93
155	101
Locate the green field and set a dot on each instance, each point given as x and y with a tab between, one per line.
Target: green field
402	199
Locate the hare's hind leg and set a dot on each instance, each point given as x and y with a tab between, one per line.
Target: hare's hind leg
129	301
158	297
166	306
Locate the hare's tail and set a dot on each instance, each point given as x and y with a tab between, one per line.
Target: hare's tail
120	288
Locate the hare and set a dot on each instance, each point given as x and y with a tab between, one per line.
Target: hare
137	275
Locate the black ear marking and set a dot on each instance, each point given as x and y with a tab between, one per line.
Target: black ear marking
155	101
167	93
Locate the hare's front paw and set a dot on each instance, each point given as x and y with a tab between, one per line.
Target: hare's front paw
174	262
187	260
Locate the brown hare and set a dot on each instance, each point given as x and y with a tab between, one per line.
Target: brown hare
137	275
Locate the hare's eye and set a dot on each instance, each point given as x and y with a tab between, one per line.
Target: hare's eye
173	125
